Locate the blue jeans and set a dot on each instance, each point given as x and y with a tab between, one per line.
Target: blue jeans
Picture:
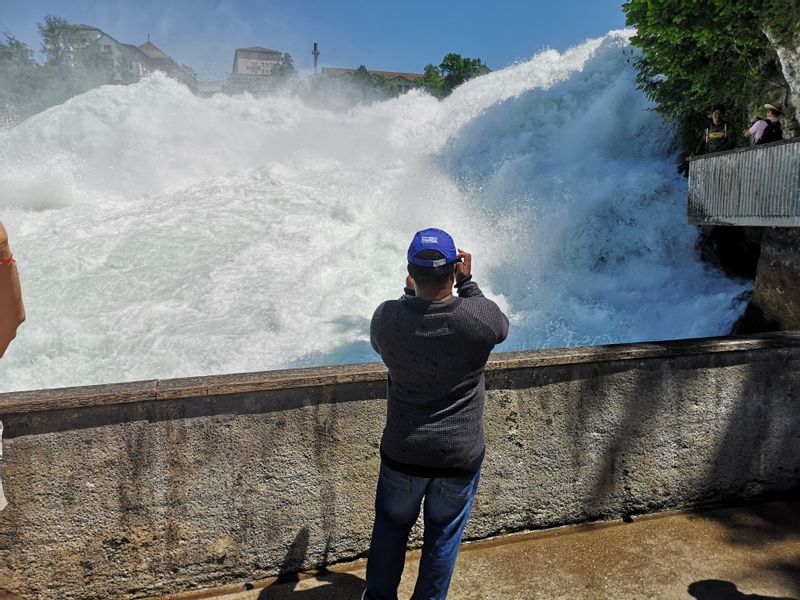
448	501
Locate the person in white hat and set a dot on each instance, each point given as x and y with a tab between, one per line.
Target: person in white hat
767	130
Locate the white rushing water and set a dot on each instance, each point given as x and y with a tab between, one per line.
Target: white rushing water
159	234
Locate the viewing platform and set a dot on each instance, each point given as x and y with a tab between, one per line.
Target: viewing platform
756	186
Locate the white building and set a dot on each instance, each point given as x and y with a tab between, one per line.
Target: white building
255	62
131	63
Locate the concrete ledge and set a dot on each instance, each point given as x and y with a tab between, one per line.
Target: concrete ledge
217	385
152	488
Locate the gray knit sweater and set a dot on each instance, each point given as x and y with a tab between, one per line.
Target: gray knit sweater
436	352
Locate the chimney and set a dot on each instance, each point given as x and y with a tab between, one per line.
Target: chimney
315	53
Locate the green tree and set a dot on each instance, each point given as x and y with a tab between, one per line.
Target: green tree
20	81
65	45
696	53
73	57
431	81
781	21
285	68
374	85
457	69
15	52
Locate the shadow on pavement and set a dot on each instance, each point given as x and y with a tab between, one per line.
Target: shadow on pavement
327	585
716	589
762	523
332	586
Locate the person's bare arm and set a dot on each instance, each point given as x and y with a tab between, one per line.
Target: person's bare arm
5	251
12	310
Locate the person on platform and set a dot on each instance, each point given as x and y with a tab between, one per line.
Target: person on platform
436	346
12	311
767	130
719	135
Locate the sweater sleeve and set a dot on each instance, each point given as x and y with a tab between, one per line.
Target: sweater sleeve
486	311
469	289
500	325
375	327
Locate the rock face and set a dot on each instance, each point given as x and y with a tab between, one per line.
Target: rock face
789	59
777	289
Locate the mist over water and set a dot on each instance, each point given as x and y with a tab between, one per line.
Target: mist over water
160	235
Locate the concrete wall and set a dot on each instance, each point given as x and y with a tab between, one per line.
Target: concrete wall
150	488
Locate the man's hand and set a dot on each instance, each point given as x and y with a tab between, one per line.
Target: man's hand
463	266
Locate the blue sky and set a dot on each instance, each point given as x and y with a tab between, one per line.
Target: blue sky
397	36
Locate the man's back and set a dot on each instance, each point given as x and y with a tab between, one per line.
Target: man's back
436	352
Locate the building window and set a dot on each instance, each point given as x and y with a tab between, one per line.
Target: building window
107	48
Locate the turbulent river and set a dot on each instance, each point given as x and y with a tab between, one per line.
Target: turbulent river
160	234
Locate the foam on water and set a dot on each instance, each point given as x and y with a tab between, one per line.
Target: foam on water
160	234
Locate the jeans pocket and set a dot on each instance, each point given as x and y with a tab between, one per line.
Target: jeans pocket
457	490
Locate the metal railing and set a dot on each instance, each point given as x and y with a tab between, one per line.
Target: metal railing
758	186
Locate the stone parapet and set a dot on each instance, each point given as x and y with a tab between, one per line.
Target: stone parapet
150	488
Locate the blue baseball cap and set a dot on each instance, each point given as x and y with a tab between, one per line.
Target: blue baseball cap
432	239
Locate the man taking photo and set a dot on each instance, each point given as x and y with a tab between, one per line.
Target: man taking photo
435	346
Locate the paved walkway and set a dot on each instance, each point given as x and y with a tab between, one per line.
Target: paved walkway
745	553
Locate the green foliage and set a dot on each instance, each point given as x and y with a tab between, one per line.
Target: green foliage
285	68
15	53
782	19
431	81
457	69
20	80
697	53
74	61
66	47
73	64
373	84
